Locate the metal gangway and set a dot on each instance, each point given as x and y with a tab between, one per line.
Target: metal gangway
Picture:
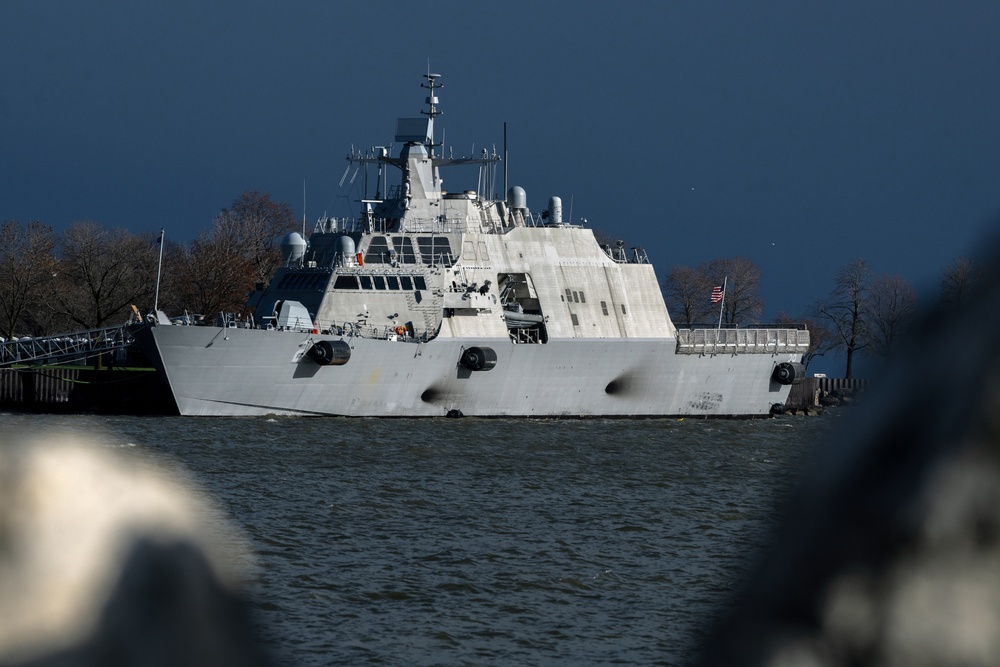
64	348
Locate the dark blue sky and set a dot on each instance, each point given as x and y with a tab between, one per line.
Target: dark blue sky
802	135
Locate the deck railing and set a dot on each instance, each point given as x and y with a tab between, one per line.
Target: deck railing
68	347
742	341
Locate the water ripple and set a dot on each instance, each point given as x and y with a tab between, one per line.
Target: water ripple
503	542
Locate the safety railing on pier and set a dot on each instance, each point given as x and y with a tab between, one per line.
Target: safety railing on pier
64	348
742	341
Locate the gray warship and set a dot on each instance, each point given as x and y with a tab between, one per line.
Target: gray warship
438	303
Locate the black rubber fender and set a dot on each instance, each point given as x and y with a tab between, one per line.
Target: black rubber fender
330	352
479	358
789	372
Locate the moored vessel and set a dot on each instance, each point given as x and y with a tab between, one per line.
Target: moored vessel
436	302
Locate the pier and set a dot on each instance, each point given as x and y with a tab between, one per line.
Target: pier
93	371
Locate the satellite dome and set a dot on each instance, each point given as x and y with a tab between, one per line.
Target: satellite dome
345	246
516	197
293	247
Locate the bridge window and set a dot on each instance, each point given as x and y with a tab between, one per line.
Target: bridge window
404	250
419	283
378	251
346	282
435	250
379	282
406	282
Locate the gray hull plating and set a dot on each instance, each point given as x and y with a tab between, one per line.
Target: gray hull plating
233	372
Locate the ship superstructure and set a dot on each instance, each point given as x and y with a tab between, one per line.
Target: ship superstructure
435	302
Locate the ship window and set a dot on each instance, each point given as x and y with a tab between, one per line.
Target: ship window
569	295
623	310
435	250
604	307
366	283
393	282
576	299
576	321
378	251
418	283
406	282
404	250
346	282
583	299
379	282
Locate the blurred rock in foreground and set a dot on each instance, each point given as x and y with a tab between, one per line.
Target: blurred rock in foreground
890	552
107	561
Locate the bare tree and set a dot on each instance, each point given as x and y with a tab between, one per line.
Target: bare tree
742	303
252	228
687	292
101	273
27	264
957	279
821	338
890	307
844	310
213	276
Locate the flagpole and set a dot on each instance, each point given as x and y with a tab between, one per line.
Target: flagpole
722	307
159	267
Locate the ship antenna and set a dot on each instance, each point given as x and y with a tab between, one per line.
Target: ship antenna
505	158
159	267
303	208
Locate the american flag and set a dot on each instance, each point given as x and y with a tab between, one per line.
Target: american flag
717	294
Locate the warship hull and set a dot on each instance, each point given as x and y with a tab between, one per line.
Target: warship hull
215	371
437	303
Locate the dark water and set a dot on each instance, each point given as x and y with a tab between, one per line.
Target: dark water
479	542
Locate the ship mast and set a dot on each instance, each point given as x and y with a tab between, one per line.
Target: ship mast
432	109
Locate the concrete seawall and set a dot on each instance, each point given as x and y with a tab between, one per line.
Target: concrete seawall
810	391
